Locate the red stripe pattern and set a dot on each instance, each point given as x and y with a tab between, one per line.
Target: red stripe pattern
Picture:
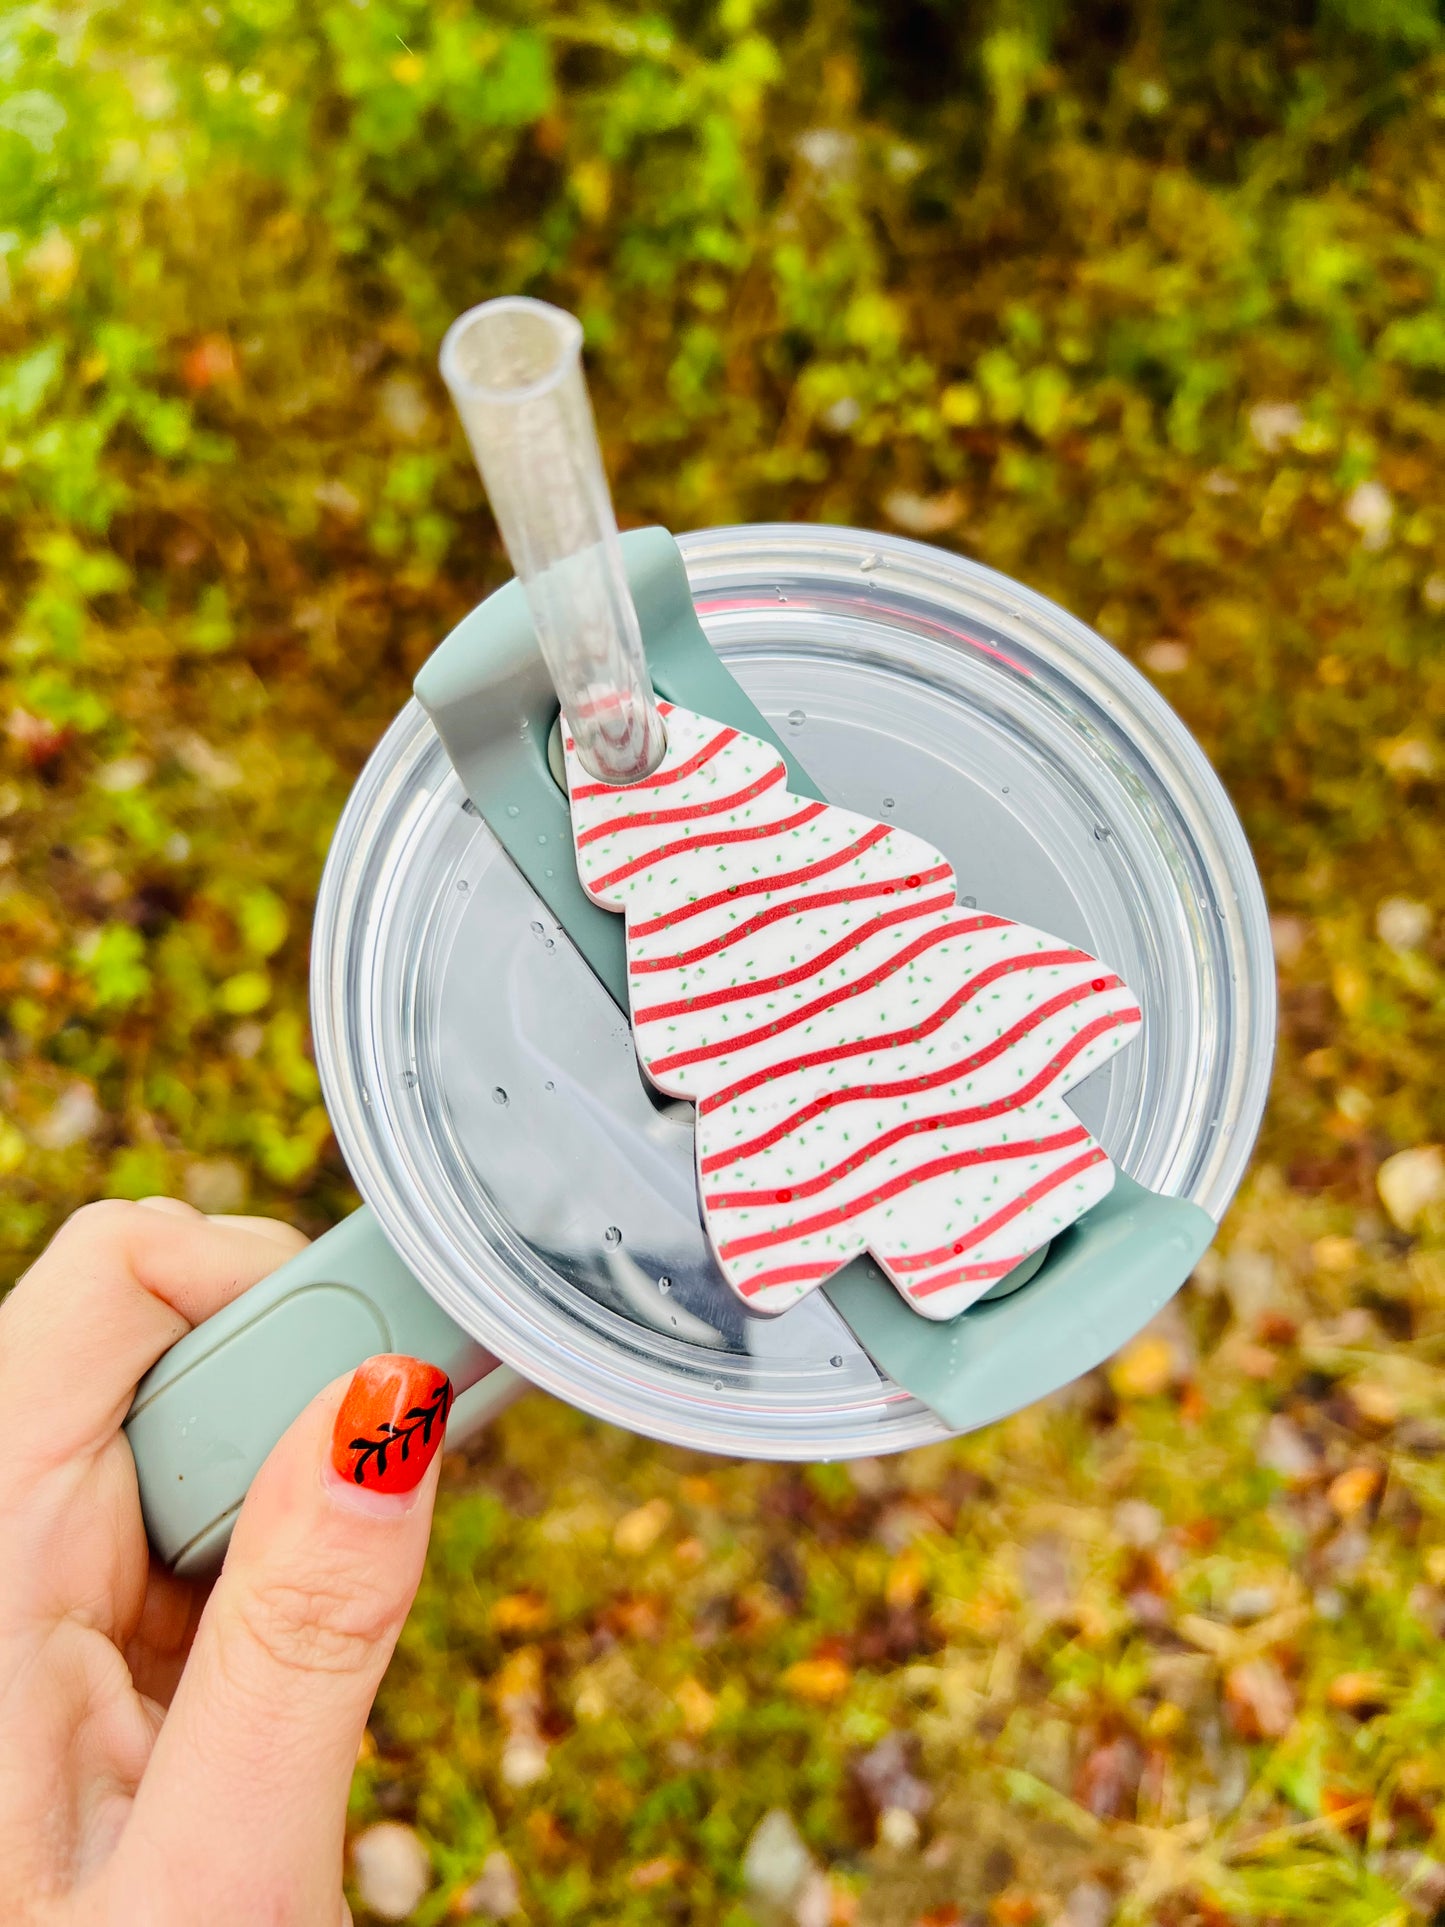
875	1066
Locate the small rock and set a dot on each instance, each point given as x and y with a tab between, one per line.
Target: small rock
404	408
74	1116
209	766
216	1185
885	1773
829	150
1411	1182
1288	935
922	514
125	773
1138	1523
1088	1905
494	1894
336	496
869	1476
1402	923
1166	658
1371	510
1249	1603
524	1760
1251	1279
1283	1448
898	1829
1273	423
815	1903
392	1869
776	1863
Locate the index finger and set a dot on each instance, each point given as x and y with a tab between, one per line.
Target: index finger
117	1286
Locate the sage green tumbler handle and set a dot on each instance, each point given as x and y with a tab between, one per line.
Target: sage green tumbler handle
205	1417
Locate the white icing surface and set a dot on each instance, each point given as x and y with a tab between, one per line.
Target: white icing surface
875	1067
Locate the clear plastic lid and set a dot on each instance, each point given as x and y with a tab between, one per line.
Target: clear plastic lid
483	1085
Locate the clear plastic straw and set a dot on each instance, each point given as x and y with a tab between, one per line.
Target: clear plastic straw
514	368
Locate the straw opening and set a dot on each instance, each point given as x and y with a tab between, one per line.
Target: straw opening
510	350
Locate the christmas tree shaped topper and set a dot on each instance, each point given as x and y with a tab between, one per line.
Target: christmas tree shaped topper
875	1067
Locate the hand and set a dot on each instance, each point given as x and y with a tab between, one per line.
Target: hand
167	1757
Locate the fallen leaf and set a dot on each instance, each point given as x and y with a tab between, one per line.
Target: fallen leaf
654	1873
1353	1490
1260	1699
638	1532
818	1680
699	1708
1144	1369
521	1613
1359	1692
211	361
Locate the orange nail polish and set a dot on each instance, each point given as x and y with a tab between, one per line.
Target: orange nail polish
391	1423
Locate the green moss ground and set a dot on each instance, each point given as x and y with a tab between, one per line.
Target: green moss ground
1143	303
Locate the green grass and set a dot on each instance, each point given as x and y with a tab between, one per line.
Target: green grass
1144	304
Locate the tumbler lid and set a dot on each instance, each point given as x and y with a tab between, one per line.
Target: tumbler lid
486	1130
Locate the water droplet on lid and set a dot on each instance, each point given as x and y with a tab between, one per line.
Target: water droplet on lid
1005	789
612	1235
836	1360
913	882
537	929
542	836
664	1283
549	873
869	562
888	803
717	1384
549	944
969	903
549	1085
779	594
499	1096
462	885
785	1197
796	718
512	810
1098	983
1102	832
409	1078
469	808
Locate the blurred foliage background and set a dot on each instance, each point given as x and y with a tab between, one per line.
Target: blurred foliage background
1140	300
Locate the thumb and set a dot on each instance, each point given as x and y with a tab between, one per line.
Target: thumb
246	1791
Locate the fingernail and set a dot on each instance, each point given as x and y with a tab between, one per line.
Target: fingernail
391	1424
